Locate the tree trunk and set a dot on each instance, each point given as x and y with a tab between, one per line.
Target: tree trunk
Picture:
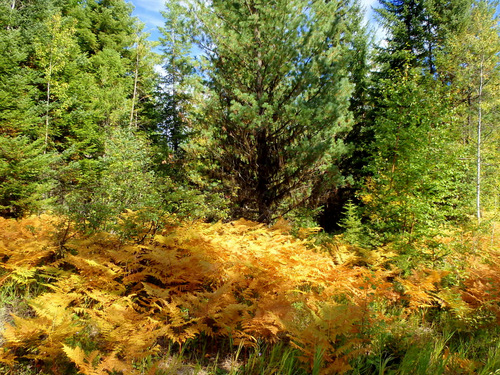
47	111
479	129
136	77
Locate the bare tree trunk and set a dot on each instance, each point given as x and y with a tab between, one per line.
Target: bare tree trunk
134	95
12	7
479	139
175	129
136	78
48	107
47	117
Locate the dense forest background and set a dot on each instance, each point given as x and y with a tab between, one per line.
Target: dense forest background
255	133
258	111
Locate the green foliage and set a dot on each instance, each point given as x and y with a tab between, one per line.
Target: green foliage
125	181
468	66
17	107
190	202
177	94
55	50
70	72
417	170
274	109
355	232
352	163
25	177
417	30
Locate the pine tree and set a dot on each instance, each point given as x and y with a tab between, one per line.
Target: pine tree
176	92
276	99
25	177
24	180
17	95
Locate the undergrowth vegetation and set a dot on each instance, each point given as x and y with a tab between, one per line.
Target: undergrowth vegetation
174	297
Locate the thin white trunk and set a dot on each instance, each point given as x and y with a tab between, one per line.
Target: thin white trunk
49	77
47	117
134	95
12	7
173	69
479	140
136	78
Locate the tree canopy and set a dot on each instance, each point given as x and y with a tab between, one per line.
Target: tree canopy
261	109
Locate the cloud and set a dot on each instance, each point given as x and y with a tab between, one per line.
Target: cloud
148	12
151	5
368	6
379	32
150	19
368	3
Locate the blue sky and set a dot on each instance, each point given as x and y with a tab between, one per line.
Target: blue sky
148	11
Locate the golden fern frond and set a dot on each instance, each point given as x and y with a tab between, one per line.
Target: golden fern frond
95	363
22	275
76	355
24	331
7	357
266	325
53	305
111	363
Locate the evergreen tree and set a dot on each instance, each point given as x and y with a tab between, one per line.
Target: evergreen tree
417	170
118	78
70	72
417	30
125	181
352	163
25	176
20	22
276	99
24	180
176	88
17	95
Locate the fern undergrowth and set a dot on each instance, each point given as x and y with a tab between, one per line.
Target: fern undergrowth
239	298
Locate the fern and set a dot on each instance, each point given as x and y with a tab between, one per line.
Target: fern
109	303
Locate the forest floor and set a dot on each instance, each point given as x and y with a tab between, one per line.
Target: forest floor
242	298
